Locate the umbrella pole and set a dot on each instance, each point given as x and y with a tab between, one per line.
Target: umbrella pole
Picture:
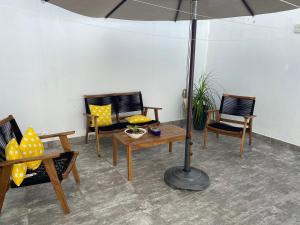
188	138
187	177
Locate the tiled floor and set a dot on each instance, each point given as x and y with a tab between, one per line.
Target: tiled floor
261	188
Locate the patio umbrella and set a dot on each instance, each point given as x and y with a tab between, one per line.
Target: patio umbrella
182	177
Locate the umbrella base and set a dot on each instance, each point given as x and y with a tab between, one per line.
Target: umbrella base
195	180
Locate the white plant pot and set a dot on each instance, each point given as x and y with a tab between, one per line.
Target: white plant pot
136	136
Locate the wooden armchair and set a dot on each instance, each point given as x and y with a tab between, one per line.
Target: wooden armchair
237	106
56	166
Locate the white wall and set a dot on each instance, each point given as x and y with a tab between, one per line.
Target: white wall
261	59
50	58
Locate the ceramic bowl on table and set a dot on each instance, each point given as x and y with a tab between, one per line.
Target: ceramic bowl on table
136	136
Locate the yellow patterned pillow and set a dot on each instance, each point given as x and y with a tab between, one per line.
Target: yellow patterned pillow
32	146
104	115
12	152
138	119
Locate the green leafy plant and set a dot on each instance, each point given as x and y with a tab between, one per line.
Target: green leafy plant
203	99
134	129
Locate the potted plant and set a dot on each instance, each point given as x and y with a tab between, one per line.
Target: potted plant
135	131
203	100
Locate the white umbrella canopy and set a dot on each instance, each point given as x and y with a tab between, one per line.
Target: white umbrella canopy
165	10
181	177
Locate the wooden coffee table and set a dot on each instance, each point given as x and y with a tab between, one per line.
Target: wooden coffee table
169	134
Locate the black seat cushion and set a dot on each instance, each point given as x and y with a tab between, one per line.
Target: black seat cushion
121	125
40	175
146	123
226	127
115	126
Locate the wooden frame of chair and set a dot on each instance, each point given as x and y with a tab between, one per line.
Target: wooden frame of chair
247	123
117	118
47	159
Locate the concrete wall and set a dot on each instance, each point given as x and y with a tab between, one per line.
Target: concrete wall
50	58
260	57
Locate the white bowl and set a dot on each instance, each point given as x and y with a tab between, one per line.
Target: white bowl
136	136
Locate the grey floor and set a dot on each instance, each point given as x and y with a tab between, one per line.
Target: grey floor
261	188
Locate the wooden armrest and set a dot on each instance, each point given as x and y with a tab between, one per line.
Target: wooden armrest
155	111
90	118
90	115
57	134
209	115
43	157
249	117
149	107
87	115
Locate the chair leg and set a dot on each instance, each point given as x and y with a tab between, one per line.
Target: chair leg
156	114
250	138
250	133
170	146
4	183
242	144
205	135
76	174
50	168
98	144
241	148
243	137
67	148
87	127
87	137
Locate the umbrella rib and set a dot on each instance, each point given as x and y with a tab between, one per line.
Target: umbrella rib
177	11
249	9
289	3
115	9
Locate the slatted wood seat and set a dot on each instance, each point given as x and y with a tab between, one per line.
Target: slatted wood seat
236	106
55	166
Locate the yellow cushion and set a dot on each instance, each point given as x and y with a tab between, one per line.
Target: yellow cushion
104	115
32	146
138	119
12	152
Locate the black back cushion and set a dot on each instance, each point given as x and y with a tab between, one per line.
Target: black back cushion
121	103
8	131
130	103
233	105
106	100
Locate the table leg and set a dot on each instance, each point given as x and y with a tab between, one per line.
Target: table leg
170	146
115	152
129	163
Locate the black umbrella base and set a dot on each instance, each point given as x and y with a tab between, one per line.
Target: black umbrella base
195	180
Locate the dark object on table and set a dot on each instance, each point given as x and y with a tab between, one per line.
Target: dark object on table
155	131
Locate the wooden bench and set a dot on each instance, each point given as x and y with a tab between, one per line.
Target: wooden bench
123	105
